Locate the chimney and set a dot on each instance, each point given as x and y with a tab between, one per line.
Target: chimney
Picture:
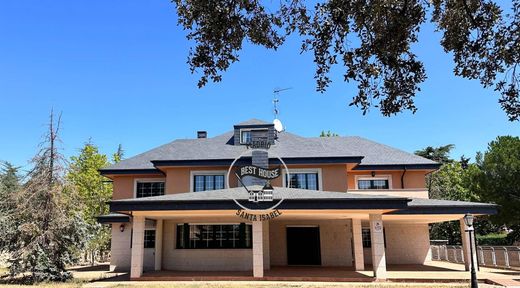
202	134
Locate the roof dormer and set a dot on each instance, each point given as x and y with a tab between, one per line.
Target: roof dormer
254	130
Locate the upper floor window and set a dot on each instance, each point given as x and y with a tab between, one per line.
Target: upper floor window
248	136
208	182
149	188
303	180
373	183
245	137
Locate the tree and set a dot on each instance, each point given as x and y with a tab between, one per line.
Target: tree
499	179
328	134
93	193
44	229
9	184
439	154
118	156
372	40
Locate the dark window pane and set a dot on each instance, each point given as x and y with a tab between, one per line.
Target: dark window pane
208	182
149	189
303	181
373	184
213	236
149	238
367	242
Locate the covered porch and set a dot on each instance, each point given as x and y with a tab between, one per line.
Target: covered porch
397	227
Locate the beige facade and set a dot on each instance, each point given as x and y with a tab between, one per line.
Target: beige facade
336	235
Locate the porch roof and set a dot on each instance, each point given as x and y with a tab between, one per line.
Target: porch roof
295	198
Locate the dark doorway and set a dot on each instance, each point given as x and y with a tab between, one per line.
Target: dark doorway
303	246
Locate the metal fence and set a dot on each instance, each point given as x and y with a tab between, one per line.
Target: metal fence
489	256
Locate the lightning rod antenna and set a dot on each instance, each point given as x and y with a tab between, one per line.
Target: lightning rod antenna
276	93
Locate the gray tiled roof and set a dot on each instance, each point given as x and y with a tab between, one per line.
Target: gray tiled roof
239	193
420	202
288	146
402	205
253	121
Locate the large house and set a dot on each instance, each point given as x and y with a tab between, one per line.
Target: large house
256	198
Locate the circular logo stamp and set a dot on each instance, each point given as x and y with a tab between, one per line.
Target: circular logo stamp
262	199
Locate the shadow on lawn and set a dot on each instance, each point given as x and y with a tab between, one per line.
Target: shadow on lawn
95	268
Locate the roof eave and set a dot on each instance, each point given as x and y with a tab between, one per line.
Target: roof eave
288	204
425	166
147	171
490	209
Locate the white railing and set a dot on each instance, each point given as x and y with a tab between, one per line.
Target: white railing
489	256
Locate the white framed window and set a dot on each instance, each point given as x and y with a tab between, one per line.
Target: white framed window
248	135
207	180
245	136
149	187
303	179
380	182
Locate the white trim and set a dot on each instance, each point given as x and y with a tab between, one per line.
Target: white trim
251	129
377	177
194	173
304	170
148	180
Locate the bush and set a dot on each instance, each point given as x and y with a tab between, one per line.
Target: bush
495	239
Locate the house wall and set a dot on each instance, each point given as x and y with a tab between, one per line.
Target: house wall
335	241
202	259
124	186
120	249
334	178
406	243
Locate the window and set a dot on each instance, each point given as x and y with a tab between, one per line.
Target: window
226	236
149	238
303	181
365	235
367	241
148	189
245	137
377	183
208	182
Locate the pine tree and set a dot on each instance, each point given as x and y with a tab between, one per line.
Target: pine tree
44	231
94	193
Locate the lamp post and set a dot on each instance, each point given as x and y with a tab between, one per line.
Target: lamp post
468	219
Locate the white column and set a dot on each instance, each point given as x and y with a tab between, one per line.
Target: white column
258	249
136	269
158	244
267	258
378	246
465	246
358	245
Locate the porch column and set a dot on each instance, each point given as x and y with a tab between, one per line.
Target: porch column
136	269
358	245
158	244
258	249
465	246
378	246
267	257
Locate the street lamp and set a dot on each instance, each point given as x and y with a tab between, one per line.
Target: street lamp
468	219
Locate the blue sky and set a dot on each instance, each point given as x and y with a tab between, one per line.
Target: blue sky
117	71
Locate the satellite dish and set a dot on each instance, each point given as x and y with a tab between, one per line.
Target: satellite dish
278	125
